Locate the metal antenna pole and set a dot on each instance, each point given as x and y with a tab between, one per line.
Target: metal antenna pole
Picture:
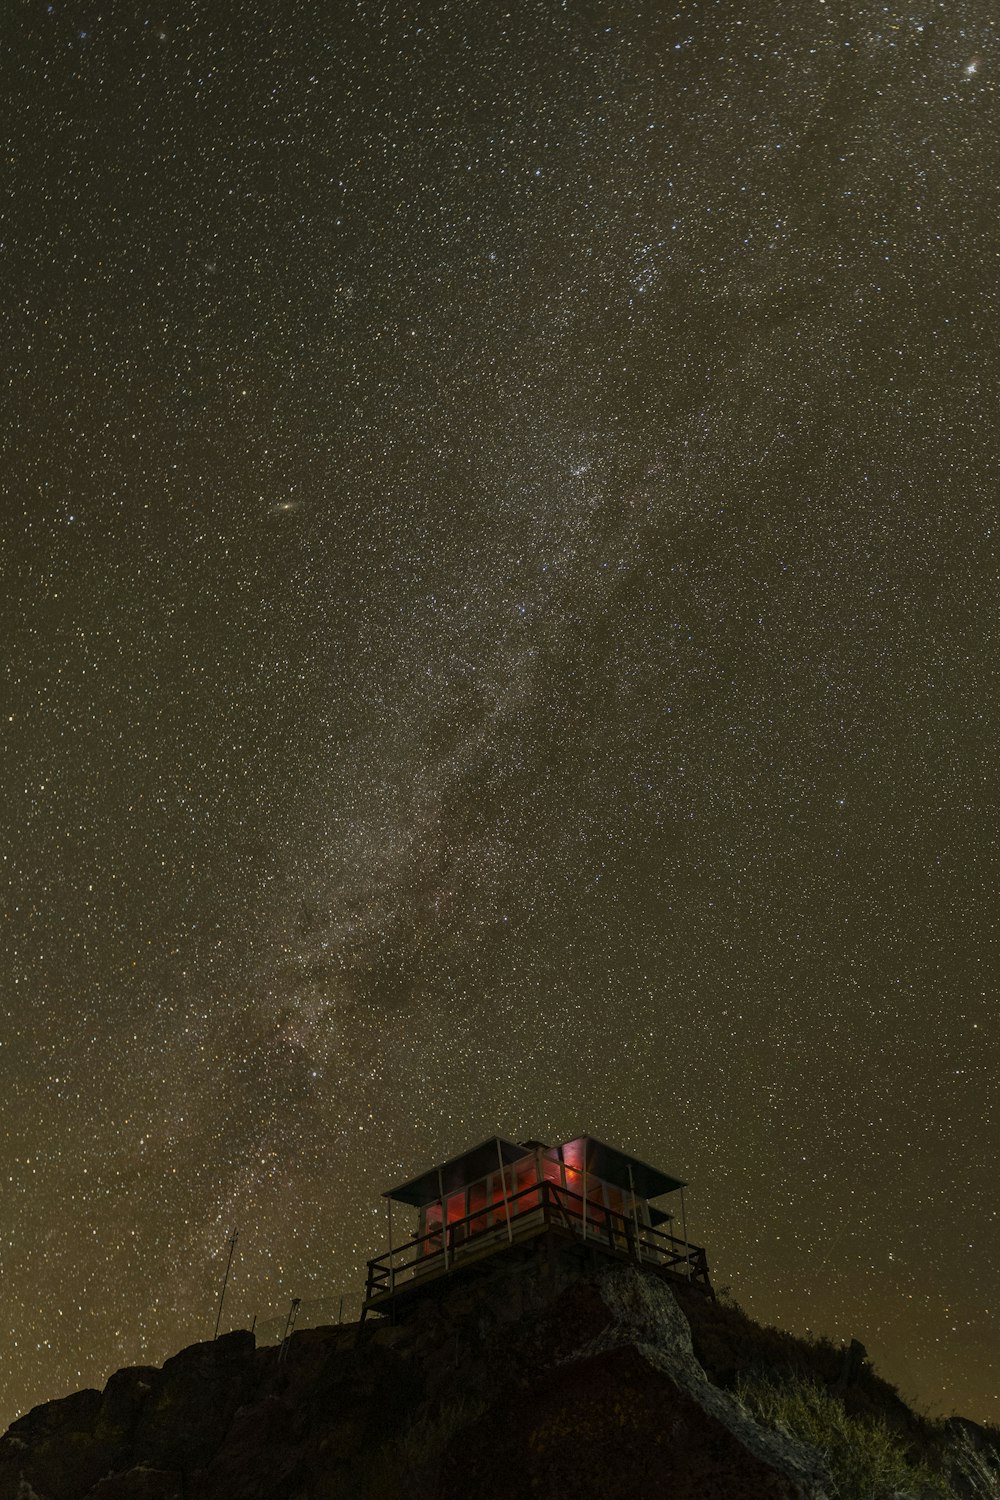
222	1295
289	1325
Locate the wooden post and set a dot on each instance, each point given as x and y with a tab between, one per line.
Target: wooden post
687	1248
635	1213
392	1269
503	1187
583	1190
444	1220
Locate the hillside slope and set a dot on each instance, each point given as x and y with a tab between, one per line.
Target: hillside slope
534	1379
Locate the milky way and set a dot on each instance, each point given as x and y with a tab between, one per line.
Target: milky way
499	635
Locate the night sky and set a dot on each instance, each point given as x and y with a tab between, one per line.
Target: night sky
499	625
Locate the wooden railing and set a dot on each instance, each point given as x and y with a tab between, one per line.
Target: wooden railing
540	1205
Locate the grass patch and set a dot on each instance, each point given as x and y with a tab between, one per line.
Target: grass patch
866	1458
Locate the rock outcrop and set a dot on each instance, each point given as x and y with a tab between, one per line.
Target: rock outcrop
629	1411
531	1379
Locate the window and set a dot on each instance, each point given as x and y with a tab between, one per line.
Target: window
432	1227
479	1202
526	1177
595	1203
455	1214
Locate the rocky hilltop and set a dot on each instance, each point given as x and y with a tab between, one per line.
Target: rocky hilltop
532	1380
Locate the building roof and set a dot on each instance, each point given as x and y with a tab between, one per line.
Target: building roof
603	1161
613	1165
457	1173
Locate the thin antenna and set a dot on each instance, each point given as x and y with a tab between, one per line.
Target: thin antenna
293	1313
222	1295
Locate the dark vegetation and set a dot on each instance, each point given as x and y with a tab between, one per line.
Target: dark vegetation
731	1346
798	1382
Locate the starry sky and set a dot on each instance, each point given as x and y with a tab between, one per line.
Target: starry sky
499	634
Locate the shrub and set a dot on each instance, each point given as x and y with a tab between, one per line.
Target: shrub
866	1458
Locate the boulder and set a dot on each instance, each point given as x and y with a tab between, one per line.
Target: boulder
624	1406
188	1412
139	1484
610	1424
261	1458
50	1451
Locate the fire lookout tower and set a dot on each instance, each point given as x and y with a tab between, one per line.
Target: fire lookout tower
581	1198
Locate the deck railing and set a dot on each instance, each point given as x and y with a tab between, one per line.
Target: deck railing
539	1207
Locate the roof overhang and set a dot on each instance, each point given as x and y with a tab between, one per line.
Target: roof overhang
457	1173
617	1167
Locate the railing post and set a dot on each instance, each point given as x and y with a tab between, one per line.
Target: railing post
392	1272
583	1191
687	1248
444	1222
503	1188
635	1214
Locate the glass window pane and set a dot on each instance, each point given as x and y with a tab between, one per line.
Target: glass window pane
432	1227
527	1179
478	1204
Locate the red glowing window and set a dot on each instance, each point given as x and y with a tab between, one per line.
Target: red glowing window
527	1186
552	1171
595	1203
479	1202
574	1190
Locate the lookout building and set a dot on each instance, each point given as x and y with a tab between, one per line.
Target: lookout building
582	1197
